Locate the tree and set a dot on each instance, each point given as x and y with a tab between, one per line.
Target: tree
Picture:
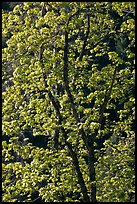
68	81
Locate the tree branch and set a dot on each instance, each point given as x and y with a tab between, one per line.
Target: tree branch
90	148
92	173
65	77
107	96
57	107
73	155
70	150
66	83
43	12
108	34
85	40
77	168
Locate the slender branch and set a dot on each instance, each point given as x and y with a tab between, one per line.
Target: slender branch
108	34
77	168
90	148
57	107
36	199
66	83
41	52
91	143
43	12
65	76
70	150
77	12
92	173
65	71
107	96
102	39
73	155
85	40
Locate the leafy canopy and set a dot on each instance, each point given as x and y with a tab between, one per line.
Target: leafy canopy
68	74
